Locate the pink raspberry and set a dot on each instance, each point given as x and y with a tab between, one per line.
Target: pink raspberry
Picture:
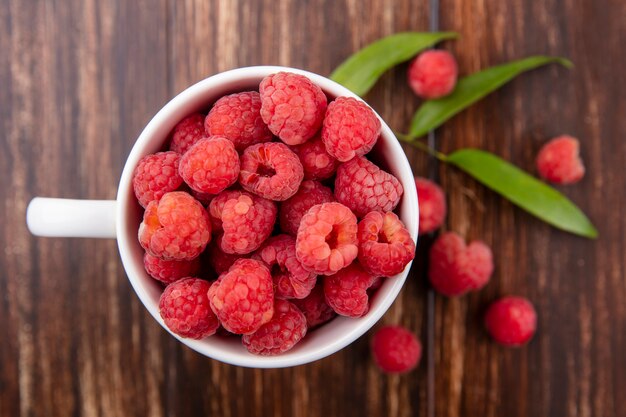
363	187
247	221
216	206
175	228
156	175
433	74
238	118
455	268
184	307
292	106
292	210
327	238
511	321
291	280
396	349
559	161
211	165
432	203
187	132
270	170
346	291
351	128
286	328
385	246
169	271
316	162
243	298
220	261
314	307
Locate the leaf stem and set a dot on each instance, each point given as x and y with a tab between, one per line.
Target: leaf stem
422	147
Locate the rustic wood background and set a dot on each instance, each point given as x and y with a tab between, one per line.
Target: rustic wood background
80	78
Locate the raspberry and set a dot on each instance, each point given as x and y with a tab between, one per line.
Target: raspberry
314	307
385	246
327	238
350	129
511	321
175	228
270	170
286	328
316	162
363	187
292	106
169	271
238	118
156	175
184	307
291	280
247	221
187	132
204	198
211	165
346	291
396	349
432	202
216	206
220	260
242	298
433	74
559	161
456	268
292	210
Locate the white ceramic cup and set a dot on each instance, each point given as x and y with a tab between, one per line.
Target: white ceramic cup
120	219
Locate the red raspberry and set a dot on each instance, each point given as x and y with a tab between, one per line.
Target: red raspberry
216	206
220	260
385	246
314	307
559	161
346	291
286	328
238	118
187	132
456	268
363	187
292	106
175	228
432	203
351	128
291	280
204	198
270	170
247	221
433	74
170	271
327	240
511	321
243	298
316	162
211	165
184	307
292	210
156	175
396	349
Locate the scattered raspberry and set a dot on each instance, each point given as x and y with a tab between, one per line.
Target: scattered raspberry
432	202
170	271
220	260
243	298
216	206
511	321
247	221
175	228
292	106
238	117
559	161
351	128
433	74
211	165
204	198
346	291
292	210
291	280
456	268
270	170
184	307
155	175
396	349
187	132
316	162
286	328
327	238
314	307
385	246
363	187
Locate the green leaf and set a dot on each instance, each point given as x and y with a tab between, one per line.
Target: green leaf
532	195
360	71
470	89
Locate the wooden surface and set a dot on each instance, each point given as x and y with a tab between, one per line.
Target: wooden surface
78	81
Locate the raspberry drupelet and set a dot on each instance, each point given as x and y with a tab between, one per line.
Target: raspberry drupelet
559	161
433	74
170	271
432	203
291	211
316	162
346	290
155	175
187	132
511	321
396	349
314	307
211	165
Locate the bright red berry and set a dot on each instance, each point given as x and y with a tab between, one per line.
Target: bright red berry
396	349
346	291
187	132
559	161
155	175
211	165
170	271
432	202
314	307
216	206
316	162
433	74
511	321
291	211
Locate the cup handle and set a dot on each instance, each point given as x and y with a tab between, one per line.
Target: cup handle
60	217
